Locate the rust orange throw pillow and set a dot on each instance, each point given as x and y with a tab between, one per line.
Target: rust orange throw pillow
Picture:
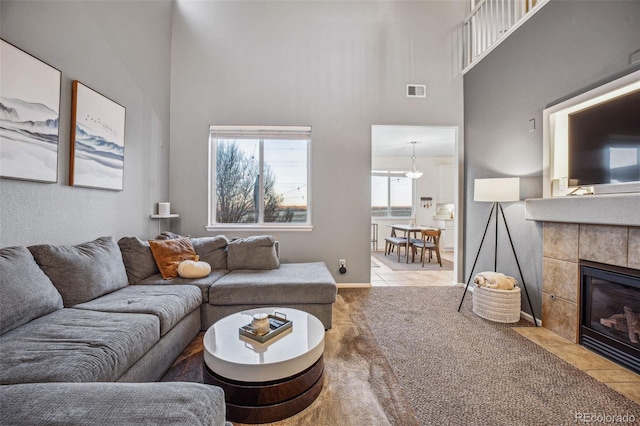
169	253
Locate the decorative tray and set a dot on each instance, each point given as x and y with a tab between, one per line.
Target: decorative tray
277	323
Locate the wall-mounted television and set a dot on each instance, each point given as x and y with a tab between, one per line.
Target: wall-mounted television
604	142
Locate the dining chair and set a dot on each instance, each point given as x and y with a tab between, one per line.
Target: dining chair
391	242
430	241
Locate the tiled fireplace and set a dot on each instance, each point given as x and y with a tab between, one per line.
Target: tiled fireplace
564	245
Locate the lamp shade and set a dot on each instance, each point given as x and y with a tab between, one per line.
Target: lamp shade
497	189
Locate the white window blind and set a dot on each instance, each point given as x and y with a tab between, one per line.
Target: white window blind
261	132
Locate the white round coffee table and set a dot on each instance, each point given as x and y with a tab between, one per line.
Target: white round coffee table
265	382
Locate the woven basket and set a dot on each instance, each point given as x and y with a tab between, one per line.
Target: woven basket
497	305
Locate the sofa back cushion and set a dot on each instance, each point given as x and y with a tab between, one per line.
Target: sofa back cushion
84	271
138	259
26	292
257	252
212	250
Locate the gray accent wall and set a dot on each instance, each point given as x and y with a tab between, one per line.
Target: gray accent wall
121	50
339	67
566	47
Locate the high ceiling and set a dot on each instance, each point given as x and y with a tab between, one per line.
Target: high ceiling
395	141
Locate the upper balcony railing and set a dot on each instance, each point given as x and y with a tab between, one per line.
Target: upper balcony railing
490	22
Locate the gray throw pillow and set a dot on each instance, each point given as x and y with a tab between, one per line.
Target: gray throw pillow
138	259
212	250
257	252
83	272
26	293
168	235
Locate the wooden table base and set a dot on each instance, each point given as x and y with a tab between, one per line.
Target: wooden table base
266	402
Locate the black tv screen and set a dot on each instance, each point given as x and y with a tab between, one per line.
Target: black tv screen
604	142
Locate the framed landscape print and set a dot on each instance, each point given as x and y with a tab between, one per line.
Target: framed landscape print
29	116
97	140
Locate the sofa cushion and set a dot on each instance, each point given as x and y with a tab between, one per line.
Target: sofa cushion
84	271
170	303
175	404
203	283
257	252
212	250
169	253
25	291
76	345
289	284
138	259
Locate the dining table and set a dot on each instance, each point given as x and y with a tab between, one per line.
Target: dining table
408	229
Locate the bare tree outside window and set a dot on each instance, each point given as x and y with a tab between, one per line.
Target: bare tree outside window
237	187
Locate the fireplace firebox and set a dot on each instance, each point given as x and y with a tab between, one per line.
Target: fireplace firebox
610	312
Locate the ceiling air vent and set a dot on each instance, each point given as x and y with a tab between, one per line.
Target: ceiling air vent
416	91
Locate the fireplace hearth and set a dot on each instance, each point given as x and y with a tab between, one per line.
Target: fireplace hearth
610	312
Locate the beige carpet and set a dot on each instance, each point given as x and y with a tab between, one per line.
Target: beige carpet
405	356
459	369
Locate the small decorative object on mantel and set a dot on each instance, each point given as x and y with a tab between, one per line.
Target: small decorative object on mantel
496	297
265	327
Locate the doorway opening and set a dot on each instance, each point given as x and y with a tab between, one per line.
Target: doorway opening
428	199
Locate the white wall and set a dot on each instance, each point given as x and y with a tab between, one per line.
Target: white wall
122	50
337	66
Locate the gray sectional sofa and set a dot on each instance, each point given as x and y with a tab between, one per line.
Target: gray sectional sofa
246	274
88	328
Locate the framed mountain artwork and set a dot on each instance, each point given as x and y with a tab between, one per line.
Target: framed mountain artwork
29	116
97	140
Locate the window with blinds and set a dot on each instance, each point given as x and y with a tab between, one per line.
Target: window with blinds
259	176
391	194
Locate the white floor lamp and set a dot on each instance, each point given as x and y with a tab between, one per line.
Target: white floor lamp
497	191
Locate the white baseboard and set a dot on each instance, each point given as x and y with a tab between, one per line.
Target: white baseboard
353	285
526	316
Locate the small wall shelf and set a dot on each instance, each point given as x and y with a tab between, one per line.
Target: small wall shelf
163	216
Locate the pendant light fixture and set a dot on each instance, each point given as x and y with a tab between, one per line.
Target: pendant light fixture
413	173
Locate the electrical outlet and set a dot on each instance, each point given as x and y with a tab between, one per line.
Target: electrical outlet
343	263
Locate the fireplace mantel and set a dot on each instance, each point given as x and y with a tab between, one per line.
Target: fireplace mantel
605	209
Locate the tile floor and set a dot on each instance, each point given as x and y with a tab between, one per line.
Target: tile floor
382	276
616	377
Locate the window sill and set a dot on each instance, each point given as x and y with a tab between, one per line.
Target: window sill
253	228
